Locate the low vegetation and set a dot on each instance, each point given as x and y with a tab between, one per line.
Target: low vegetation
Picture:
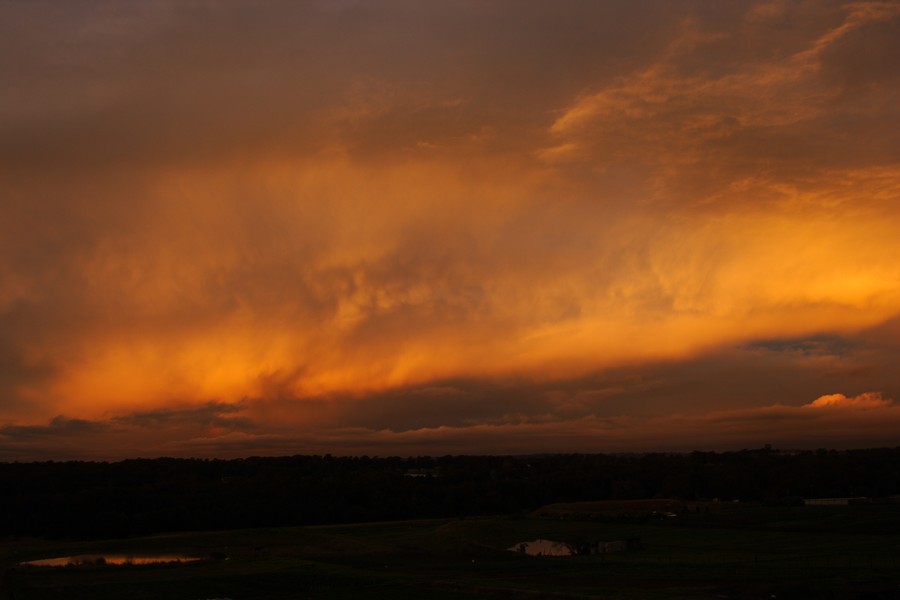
739	551
142	497
693	526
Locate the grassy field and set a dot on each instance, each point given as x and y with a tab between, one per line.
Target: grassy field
704	552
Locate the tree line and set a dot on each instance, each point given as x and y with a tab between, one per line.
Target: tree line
143	496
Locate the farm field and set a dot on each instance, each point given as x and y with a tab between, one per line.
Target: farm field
704	551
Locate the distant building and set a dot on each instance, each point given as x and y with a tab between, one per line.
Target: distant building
835	501
422	473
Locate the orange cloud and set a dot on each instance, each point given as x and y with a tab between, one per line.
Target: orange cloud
865	400
331	207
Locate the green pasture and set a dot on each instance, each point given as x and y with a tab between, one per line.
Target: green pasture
739	552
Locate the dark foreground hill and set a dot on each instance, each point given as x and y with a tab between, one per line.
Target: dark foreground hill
139	497
737	551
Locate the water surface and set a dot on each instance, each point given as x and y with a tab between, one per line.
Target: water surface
109	559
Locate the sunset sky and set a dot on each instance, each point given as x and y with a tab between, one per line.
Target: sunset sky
447	227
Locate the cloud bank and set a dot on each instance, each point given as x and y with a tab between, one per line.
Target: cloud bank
456	219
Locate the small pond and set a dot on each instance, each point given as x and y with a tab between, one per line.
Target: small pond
109	559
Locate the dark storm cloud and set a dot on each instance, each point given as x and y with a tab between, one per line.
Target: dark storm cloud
99	83
213	413
778	115
786	373
144	433
20	372
452	403
57	427
822	345
729	398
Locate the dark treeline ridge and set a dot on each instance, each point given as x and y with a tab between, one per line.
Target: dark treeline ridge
144	496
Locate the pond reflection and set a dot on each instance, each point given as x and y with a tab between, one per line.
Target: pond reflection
108	559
